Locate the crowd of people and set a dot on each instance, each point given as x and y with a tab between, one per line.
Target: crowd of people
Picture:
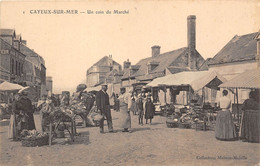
141	106
126	102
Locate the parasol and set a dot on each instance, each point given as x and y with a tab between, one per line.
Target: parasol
7	86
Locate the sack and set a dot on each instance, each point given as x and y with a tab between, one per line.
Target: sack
90	121
98	117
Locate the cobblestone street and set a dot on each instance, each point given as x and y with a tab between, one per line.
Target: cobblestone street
147	145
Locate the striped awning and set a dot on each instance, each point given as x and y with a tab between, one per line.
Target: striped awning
248	80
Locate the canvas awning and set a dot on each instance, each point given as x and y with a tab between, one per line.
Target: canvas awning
248	80
96	88
196	79
7	86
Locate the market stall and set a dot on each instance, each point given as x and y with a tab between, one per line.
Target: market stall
7	90
191	82
247	80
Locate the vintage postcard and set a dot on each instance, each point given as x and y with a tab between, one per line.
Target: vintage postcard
144	82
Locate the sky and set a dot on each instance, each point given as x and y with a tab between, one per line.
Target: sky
71	43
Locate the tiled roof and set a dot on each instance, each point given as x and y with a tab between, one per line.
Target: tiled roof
174	69
7	32
248	79
103	62
205	65
32	56
239	48
164	60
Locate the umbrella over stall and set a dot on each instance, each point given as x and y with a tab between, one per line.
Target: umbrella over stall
7	86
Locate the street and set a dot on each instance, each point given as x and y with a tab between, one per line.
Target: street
147	145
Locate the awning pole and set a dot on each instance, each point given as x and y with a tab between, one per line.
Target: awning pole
234	103
152	93
165	95
237	107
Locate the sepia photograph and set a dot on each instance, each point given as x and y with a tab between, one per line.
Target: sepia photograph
129	83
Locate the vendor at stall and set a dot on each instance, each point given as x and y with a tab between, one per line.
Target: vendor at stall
225	128
250	124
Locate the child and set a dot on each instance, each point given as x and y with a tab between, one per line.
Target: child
149	109
139	104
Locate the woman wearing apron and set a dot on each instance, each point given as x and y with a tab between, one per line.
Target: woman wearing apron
125	105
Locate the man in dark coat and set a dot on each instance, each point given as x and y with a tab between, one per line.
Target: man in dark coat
103	106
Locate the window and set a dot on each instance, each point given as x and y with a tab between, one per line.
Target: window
19	67
16	67
12	66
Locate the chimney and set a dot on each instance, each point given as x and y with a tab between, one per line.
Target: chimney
191	34
24	42
127	64
155	51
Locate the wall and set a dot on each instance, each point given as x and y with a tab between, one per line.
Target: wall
231	70
92	79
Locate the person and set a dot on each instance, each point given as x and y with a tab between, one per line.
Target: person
250	124
140	109
26	106
55	100
102	101
65	100
133	105
149	109
116	103
125	105
13	130
225	128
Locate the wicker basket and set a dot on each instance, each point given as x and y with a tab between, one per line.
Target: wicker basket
60	134
172	124
32	142
97	123
201	126
185	125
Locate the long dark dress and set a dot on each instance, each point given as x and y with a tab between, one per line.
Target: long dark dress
225	128
25	105
149	110
250	127
117	104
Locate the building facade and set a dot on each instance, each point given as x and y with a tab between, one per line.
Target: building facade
12	60
49	84
161	64
241	53
20	64
100	72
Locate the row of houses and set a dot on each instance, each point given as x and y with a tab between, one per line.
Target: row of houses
21	64
239	54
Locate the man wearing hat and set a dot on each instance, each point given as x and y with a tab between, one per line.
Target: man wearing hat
103	106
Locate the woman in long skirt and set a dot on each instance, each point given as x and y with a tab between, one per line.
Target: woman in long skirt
250	127
225	128
149	109
125	105
13	131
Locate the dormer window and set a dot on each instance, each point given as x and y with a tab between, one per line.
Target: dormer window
134	69
151	66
